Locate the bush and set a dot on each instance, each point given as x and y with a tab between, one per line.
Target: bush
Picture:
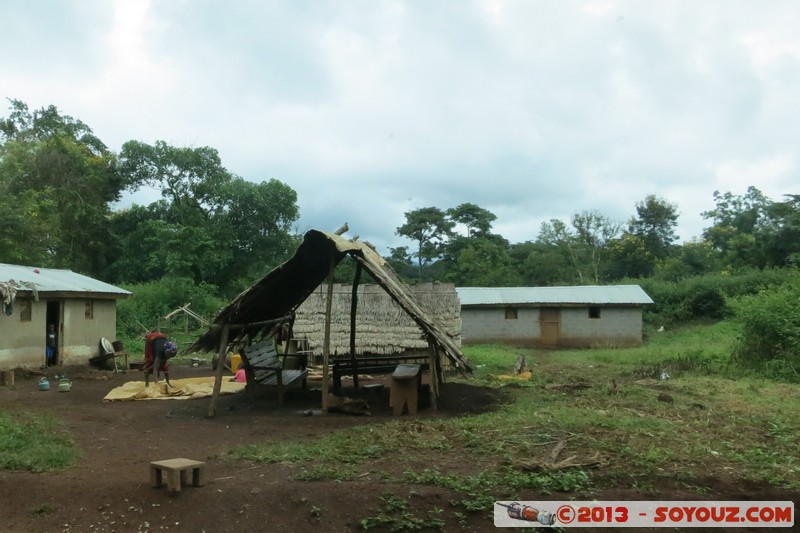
704	297
770	338
151	301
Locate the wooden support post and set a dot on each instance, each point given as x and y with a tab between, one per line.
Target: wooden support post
433	355
223	348
353	306
326	347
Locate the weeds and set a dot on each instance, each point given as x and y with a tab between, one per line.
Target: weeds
320	472
42	509
398	517
35	443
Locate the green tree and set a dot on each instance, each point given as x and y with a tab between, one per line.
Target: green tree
655	223
429	227
189	178
781	235
476	220
539	264
735	214
583	242
629	258
485	262
400	261
57	181
210	226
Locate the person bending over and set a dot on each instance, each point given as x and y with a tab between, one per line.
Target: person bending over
158	350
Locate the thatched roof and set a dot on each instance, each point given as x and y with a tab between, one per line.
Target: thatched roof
382	326
284	289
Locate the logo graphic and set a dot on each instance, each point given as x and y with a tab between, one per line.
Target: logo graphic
530	514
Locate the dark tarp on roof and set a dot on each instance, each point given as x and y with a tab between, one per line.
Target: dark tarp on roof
281	291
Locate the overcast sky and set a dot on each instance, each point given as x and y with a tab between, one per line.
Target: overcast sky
368	109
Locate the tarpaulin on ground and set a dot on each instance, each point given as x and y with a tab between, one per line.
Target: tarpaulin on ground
181	389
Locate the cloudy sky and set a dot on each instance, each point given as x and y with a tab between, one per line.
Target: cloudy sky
531	109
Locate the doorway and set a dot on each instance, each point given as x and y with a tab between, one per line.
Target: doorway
549	319
54	317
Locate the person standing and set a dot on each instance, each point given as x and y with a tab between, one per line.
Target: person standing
51	345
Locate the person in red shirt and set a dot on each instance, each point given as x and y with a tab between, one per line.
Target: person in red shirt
158	349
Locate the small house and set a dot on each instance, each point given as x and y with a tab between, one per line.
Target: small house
582	316
83	311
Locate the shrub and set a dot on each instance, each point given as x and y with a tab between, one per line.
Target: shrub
151	301
704	297
770	338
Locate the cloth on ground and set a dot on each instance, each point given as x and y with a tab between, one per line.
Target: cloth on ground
182	389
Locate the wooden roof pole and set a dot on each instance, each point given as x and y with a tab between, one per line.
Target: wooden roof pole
223	348
326	347
353	307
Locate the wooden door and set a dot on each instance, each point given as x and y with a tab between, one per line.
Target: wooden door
549	319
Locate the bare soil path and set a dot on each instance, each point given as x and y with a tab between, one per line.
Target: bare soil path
108	489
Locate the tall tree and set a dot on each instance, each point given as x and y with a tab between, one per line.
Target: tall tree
56	184
485	262
210	226
429	227
476	220
655	223
583	242
737	224
541	264
781	236
189	178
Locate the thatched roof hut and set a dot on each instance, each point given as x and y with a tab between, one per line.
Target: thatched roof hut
277	296
382	326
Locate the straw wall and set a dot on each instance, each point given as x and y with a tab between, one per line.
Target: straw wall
382	327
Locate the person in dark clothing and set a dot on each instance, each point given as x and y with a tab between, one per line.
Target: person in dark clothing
158	349
51	345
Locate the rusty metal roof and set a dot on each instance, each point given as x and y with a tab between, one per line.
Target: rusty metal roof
50	280
586	294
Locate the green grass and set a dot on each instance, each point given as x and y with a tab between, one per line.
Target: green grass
35	443
721	424
396	516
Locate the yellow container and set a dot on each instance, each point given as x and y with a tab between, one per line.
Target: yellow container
235	360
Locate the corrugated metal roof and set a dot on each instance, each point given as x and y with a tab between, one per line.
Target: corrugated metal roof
55	280
587	294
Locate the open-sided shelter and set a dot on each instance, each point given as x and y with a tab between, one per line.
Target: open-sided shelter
83	310
275	298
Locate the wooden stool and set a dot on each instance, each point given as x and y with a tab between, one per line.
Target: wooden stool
176	470
7	377
405	389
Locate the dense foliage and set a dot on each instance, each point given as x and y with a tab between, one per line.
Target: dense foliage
770	323
58	183
212	233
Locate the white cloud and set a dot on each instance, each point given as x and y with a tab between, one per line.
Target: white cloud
534	110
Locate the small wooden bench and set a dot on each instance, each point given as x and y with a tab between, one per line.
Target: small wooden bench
405	389
267	368
176	470
373	364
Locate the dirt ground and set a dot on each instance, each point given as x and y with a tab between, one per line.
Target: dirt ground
109	490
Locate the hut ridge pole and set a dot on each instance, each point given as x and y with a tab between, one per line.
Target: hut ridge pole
326	347
223	348
353	306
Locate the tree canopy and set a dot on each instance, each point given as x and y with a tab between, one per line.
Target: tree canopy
60	187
